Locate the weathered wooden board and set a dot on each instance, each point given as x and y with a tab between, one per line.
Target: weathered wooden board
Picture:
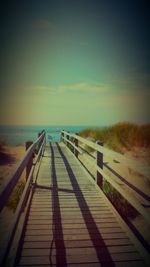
93	258
93	264
69	224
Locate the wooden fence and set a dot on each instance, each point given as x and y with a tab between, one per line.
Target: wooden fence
73	140
32	156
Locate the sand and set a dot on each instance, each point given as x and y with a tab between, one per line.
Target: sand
9	158
136	179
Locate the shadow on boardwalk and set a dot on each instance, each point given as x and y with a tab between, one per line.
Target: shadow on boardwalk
95	236
57	224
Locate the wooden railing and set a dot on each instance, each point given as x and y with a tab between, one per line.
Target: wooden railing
32	156
73	140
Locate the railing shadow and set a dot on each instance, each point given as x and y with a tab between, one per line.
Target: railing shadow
135	188
51	188
85	167
96	237
57	224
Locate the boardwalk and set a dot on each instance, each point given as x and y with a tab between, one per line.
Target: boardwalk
70	223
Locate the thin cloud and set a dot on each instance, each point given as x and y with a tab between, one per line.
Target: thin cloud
84	87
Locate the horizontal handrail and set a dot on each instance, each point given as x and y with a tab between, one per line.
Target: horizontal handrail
134	187
69	142
15	220
6	191
40	152
7	188
81	150
135	203
129	162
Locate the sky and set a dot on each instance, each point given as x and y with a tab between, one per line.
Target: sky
75	62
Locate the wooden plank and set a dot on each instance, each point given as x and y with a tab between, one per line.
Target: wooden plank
79	251
74	231
71	210
139	263
95	214
67	204
70	198
66	190
76	250
71	194
82	210
70	216
89	258
74	237
93	264
79	243
70	221
73	225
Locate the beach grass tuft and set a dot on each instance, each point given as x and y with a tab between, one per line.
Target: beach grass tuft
16	195
121	136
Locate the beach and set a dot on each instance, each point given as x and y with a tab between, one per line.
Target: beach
10	156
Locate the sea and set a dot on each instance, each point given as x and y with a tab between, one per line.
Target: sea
18	135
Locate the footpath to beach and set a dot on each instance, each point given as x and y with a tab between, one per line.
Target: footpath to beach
67	219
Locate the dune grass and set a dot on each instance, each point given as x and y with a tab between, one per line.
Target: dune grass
16	195
122	205
6	159
121	136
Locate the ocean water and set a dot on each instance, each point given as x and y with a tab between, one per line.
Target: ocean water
16	135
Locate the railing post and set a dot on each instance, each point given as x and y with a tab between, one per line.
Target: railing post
99	161
39	144
43	148
62	135
67	136
76	144
30	163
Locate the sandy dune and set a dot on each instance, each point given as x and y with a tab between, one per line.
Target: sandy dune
9	158
136	179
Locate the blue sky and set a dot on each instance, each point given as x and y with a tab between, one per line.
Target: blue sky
74	62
